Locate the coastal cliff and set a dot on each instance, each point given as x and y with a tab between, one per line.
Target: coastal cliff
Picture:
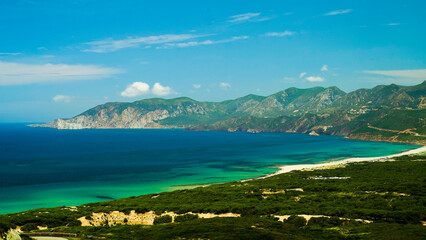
128	118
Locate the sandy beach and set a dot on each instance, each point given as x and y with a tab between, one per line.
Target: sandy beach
289	168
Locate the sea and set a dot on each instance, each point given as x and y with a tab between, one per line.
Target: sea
43	167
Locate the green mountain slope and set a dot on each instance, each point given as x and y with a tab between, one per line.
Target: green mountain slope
387	96
362	114
294	101
186	112
385	113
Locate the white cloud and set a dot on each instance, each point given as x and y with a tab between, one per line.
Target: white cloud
315	79
136	89
10	53
205	42
243	17
19	73
280	34
160	90
225	86
324	68
197	86
62	98
337	12
140	88
131	42
302	74
414	73
393	24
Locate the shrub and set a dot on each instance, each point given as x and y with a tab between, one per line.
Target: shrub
296	221
163	219
75	223
5	226
325	222
29	227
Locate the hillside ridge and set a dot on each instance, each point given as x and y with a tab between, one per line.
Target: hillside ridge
316	110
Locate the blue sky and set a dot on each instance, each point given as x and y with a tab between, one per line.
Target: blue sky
59	58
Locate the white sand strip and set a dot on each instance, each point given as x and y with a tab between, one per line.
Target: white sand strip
289	168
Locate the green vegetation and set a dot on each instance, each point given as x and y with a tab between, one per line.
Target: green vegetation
410	119
163	219
296	221
4	227
254	227
391	125
391	194
398	110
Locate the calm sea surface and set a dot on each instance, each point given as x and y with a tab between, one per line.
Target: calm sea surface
41	167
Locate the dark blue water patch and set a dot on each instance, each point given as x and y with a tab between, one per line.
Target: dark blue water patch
105	197
183	174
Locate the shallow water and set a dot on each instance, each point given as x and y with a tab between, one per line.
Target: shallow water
41	167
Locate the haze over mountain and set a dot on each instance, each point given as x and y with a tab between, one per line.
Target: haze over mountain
315	110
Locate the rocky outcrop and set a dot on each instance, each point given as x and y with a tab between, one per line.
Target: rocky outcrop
294	101
129	117
313	133
133	218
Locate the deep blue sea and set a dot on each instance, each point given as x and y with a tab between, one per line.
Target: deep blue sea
42	167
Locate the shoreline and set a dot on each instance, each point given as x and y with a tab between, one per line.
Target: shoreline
285	169
289	168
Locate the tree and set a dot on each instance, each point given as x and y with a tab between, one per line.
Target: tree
296	221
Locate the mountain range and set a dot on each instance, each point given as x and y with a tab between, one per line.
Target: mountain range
384	113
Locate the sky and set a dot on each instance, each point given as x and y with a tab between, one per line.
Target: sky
60	58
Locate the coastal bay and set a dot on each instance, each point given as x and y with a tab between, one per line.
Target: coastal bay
48	167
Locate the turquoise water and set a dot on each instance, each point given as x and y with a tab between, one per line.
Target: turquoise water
43	167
